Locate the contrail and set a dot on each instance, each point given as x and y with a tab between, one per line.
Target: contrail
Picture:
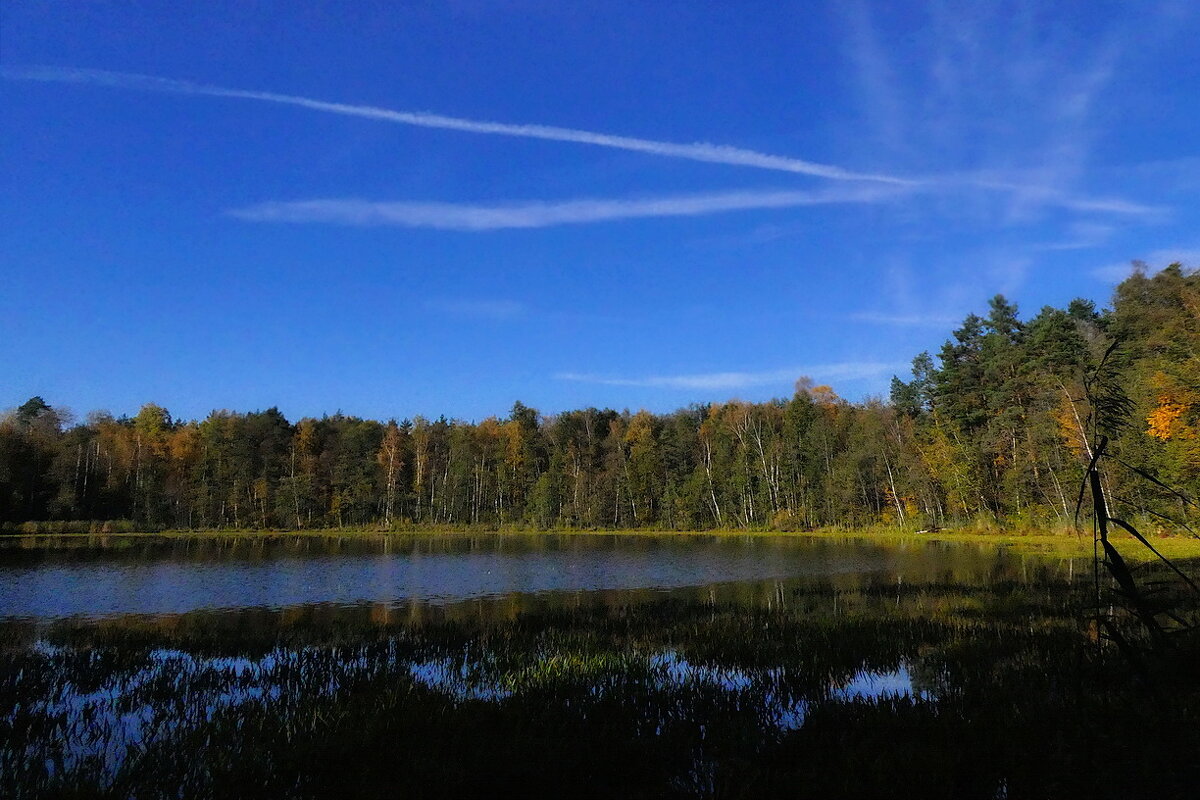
698	151
460	217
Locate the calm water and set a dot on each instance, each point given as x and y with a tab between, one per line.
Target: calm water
114	576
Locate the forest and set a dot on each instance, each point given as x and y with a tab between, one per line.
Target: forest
995	430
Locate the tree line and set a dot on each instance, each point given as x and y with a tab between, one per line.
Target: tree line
996	428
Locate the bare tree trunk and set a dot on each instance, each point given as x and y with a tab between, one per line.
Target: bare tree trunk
295	489
895	496
712	492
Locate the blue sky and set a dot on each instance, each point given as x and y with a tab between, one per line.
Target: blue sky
442	207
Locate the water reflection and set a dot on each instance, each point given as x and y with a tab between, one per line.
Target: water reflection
102	577
120	659
103	714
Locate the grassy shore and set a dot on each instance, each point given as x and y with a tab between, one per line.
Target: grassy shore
1062	543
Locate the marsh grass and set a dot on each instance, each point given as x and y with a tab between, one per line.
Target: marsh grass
662	698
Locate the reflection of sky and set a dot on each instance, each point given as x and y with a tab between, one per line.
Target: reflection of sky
109	718
786	711
98	587
457	679
464	681
872	685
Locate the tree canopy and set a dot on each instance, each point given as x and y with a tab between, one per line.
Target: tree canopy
995	428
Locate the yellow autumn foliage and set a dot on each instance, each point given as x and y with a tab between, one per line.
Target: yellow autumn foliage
1162	421
1067	419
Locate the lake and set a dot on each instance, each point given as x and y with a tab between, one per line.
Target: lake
103	577
590	664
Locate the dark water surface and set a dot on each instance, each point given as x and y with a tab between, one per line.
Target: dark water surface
105	577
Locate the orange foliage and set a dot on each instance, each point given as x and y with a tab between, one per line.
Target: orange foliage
1163	419
825	395
822	395
1176	398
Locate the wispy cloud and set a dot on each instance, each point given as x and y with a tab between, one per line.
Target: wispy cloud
1080	236
876	78
1031	193
953	83
464	217
707	381
904	320
1115	273
1038	192
496	310
697	151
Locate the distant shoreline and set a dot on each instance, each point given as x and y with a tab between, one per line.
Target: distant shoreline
1056	544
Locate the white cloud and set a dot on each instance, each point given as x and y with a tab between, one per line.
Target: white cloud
988	85
537	214
883	103
1080	236
1112	273
849	370
905	320
1032	193
1115	273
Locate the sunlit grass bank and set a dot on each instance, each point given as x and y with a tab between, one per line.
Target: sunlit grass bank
1064	542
